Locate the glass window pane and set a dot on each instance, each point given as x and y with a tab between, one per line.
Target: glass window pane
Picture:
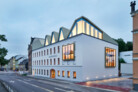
74	31
96	33
87	29
79	30
92	34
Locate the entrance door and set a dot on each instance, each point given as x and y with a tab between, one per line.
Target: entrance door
52	73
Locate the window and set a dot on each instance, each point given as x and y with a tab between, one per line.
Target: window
63	73
74	74
110	57
54	61
58	49
39	71
44	72
39	53
44	62
44	52
74	31
100	35
96	33
35	71
61	36
47	72
68	72
39	62
54	50
50	61
58	73
50	50
58	61
68	52
47	51
47	62
87	29
53	39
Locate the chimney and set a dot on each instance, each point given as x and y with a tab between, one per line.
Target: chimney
132	4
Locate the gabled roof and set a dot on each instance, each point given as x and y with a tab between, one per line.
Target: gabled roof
105	36
65	32
55	35
48	38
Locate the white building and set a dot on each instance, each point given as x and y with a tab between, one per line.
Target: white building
127	56
82	53
127	68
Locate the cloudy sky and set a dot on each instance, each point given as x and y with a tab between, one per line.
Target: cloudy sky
22	19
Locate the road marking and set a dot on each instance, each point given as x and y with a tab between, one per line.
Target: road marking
36	86
61	89
11	81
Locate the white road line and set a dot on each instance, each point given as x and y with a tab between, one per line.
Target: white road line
35	86
61	89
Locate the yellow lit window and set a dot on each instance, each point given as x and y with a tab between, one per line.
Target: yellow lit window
53	39
46	42
63	73
100	35
74	74
68	52
110	57
74	31
87	29
61	36
83	26
96	33
58	73
79	27
92	31
68	72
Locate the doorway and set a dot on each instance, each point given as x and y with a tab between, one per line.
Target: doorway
52	73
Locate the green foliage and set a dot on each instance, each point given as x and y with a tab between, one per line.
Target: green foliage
3	51
3	38
129	46
124	46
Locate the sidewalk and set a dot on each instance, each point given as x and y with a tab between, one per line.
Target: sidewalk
123	84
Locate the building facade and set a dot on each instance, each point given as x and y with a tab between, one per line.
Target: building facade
34	44
82	53
134	14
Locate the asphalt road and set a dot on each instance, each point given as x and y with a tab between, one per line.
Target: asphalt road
26	84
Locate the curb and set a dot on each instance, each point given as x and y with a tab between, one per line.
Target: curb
7	86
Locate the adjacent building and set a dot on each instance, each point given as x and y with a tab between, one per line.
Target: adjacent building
134	14
23	66
127	67
34	44
15	61
85	52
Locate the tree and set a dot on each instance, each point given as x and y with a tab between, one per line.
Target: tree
3	51
121	44
129	46
124	46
